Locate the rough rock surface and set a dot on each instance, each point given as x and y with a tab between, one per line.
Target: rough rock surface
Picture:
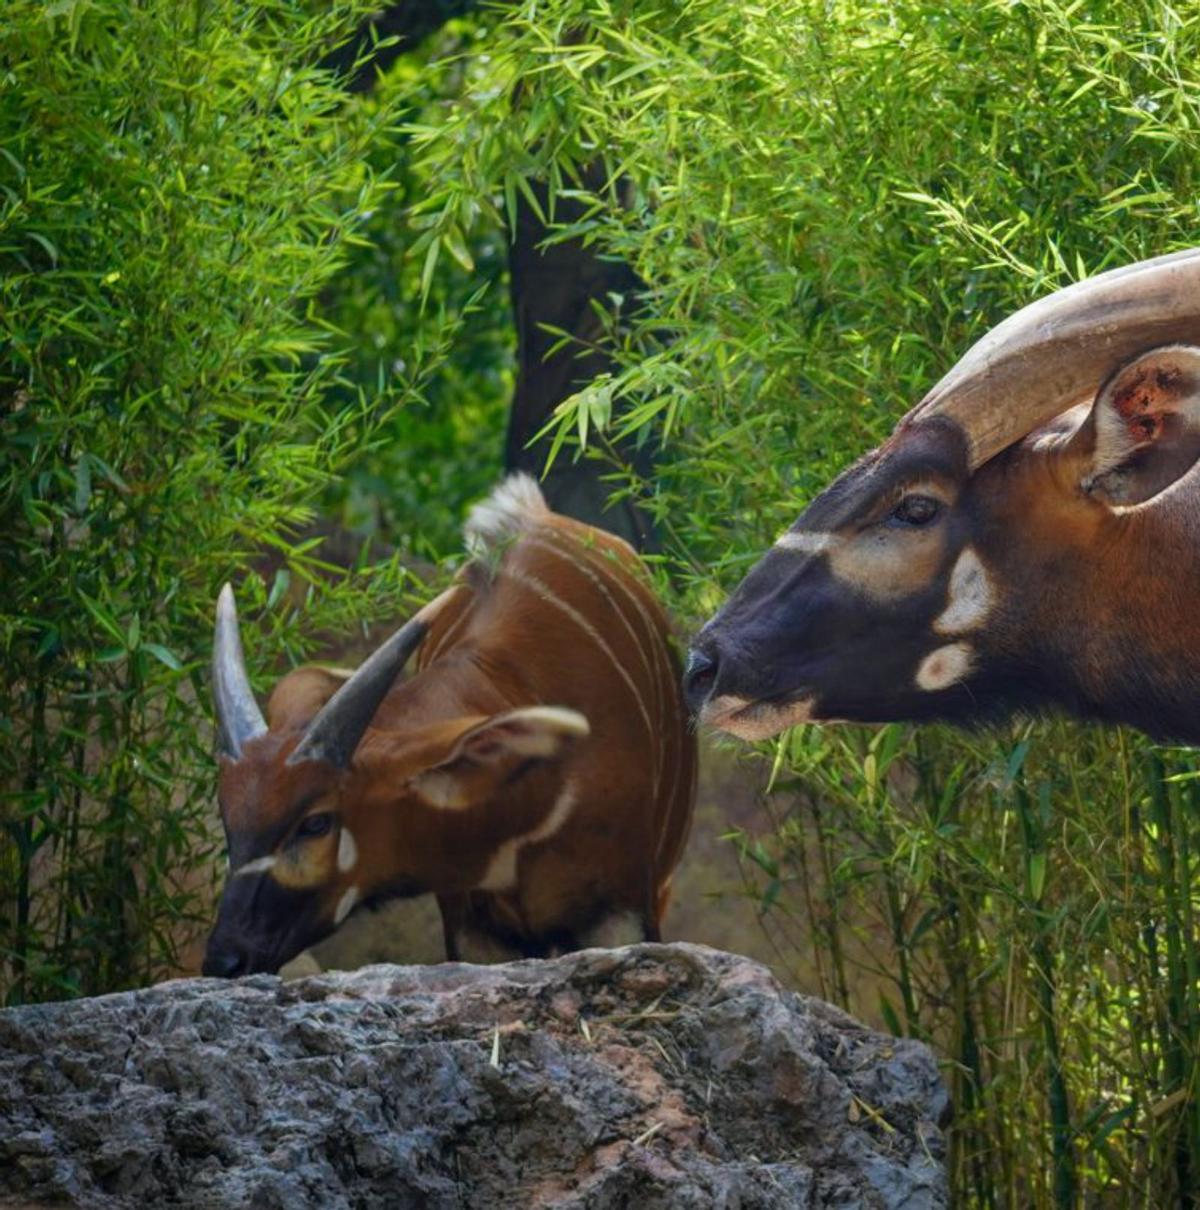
651	1076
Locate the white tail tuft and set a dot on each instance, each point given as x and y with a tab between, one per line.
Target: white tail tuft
515	506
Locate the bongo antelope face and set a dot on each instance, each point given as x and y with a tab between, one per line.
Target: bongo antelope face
288	799
999	550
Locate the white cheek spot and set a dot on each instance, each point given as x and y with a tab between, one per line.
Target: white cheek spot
345	904
970	596
944	667
258	866
804	542
501	872
347	851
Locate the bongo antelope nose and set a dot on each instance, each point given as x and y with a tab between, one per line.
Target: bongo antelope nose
699	678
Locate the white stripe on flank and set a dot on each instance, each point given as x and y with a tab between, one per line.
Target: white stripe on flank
666	685
501	872
661	678
581	565
662	675
536	586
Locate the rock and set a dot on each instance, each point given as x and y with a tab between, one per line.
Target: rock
650	1076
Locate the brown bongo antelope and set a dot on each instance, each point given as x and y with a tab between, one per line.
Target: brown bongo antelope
536	773
1028	538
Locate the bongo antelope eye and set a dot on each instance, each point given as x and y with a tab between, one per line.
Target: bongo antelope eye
916	510
312	826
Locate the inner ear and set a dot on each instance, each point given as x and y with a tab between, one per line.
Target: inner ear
489	749
535	732
1145	426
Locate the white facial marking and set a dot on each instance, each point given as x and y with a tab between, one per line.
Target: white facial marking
501	872
970	597
884	564
804	542
347	851
345	904
944	667
755	720
257	866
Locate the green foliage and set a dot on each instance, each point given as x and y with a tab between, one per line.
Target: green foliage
177	185
392	296
827	204
1027	907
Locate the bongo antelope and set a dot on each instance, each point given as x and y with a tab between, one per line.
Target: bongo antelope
536	773
1028	538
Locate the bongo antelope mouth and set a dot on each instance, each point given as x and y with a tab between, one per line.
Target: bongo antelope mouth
756	719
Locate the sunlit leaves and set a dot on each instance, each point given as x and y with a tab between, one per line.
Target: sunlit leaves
176	191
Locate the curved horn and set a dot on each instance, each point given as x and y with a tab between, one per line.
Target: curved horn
339	725
1057	351
239	719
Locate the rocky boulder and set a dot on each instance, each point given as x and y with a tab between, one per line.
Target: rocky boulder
650	1076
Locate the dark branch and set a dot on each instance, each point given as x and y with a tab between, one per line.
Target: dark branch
408	22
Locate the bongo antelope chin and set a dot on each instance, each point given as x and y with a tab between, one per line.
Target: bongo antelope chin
1028	538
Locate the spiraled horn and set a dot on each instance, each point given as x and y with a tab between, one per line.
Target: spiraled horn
1057	351
335	732
239	719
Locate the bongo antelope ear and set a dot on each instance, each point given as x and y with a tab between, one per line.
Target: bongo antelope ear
486	751
1144	427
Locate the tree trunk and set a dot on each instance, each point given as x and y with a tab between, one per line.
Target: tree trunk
556	286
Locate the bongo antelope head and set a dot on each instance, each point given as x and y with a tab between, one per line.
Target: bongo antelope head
1024	539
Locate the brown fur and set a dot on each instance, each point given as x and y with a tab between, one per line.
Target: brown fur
560	617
